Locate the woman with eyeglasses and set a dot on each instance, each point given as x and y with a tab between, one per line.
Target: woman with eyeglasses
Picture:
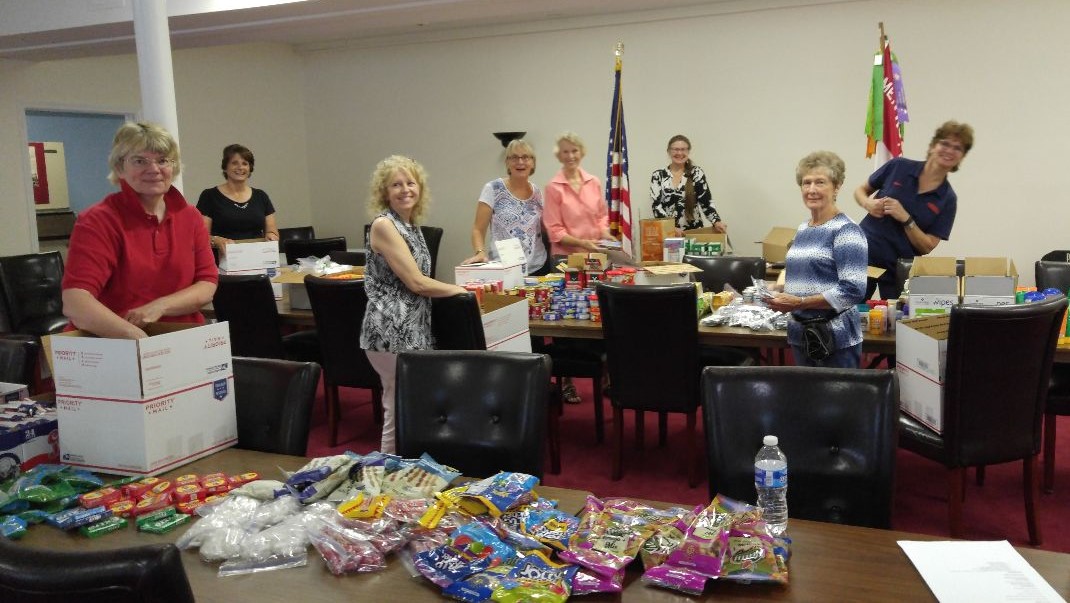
680	191
234	210
910	205
142	254
512	208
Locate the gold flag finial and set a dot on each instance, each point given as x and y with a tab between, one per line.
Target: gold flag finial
619	50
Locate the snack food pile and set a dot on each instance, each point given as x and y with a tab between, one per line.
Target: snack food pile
488	540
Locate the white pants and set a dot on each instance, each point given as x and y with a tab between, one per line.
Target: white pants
386	363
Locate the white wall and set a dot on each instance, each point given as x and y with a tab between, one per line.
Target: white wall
249	94
755	91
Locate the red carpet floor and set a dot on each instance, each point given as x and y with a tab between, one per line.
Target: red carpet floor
994	511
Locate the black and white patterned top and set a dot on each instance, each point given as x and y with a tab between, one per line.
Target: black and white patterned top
667	201
396	319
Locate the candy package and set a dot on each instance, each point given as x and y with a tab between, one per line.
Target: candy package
610	535
752	557
344	550
472	548
498	493
418	479
536	578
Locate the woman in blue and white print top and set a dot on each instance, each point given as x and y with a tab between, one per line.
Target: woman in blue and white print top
825	268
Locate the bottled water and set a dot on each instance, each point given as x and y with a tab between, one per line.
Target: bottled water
771	482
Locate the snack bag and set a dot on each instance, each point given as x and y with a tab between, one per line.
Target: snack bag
498	493
612	535
536	579
472	549
751	557
418	479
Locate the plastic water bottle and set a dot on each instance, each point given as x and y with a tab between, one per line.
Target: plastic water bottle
771	482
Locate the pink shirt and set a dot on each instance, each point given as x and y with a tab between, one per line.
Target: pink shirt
583	215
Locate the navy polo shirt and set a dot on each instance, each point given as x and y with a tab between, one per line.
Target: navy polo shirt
933	212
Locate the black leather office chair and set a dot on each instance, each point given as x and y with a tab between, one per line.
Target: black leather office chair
296	233
32	292
146	574
273	400
481	412
339	306
19	359
998	369
651	338
717	271
247	302
432	236
457	323
350	258
303	248
838	428
1054	274
1058	255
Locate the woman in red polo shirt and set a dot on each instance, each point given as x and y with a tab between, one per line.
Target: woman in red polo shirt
142	254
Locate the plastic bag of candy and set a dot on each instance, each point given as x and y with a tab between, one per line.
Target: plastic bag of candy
498	493
610	535
536	578
471	549
752	557
343	549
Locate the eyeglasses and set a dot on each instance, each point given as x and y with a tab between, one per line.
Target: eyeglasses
142	162
520	158
679	149
951	146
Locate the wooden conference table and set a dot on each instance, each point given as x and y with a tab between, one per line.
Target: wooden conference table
829	562
585	329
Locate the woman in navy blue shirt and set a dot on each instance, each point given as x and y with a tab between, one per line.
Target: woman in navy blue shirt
910	204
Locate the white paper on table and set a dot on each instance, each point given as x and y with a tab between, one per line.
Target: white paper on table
977	571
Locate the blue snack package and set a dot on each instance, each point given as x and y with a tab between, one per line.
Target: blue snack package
536	579
77	517
498	493
472	548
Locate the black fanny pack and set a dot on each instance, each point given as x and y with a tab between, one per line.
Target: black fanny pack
817	336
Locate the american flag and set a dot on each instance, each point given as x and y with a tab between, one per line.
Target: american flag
887	113
617	196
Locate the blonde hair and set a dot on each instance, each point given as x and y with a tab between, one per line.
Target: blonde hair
378	200
571	138
136	137
517	145
827	160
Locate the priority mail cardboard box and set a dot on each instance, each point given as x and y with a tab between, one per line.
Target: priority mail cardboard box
775	244
989	281
505	323
510	274
934	286
250	257
920	363
141	407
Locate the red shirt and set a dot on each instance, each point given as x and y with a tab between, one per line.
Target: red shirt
126	258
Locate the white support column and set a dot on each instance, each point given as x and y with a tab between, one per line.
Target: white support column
156	74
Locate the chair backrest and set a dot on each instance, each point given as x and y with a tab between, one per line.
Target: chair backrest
273	400
838	428
1058	255
352	258
651	337
247	302
733	270
145	574
18	358
481	412
296	232
1054	274
33	296
457	323
302	248
999	363
433	237
338	307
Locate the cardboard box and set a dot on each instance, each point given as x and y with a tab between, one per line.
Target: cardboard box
989	281
13	391
664	273
589	261
673	250
511	275
29	443
707	235
294	284
140	407
250	257
505	323
921	362
652	233
934	286
775	244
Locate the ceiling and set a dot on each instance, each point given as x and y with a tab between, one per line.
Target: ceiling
308	24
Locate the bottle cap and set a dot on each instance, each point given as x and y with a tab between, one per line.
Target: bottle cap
770	440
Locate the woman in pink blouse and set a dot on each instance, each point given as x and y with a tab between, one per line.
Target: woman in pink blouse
575	212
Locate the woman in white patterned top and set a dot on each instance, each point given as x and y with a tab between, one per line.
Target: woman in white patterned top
825	267
512	208
398	316
680	191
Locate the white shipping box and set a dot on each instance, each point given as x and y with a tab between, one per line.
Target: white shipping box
150	436
921	362
249	258
989	281
505	323
511	275
934	286
139	407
